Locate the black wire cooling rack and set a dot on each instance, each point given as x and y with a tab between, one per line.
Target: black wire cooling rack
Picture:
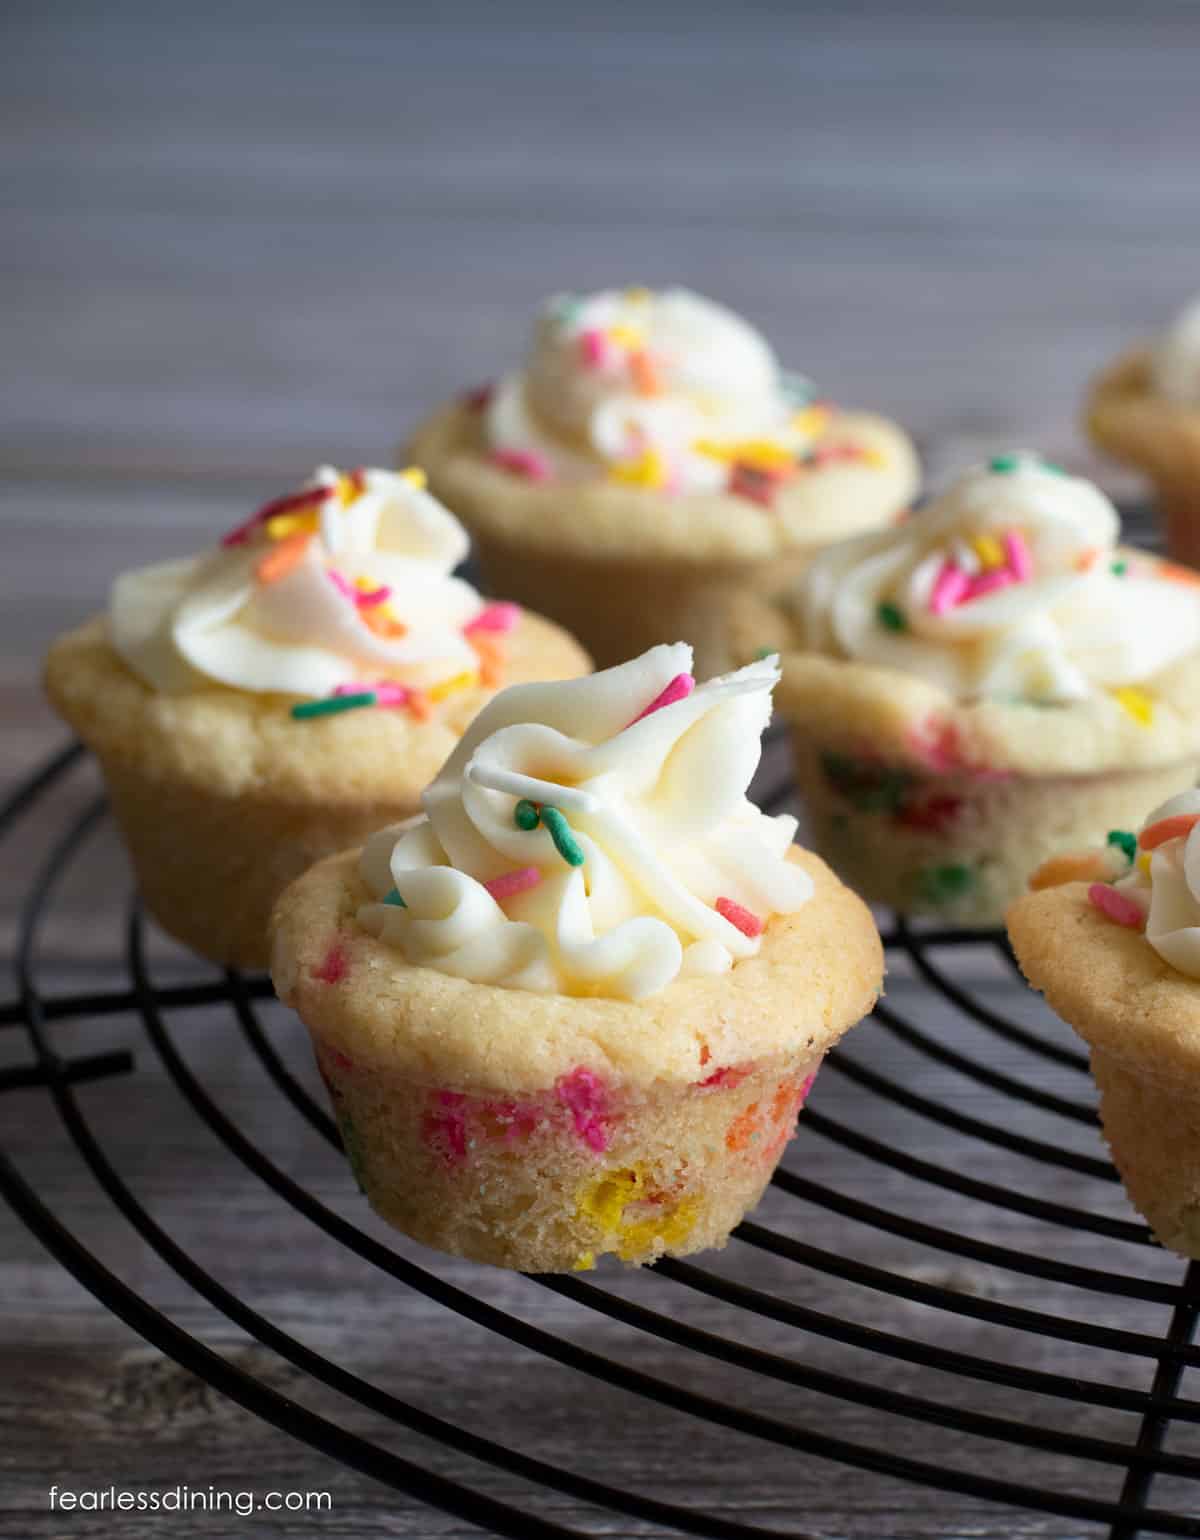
1145	1370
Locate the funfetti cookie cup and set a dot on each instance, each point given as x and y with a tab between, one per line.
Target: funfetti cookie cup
280	696
1129	417
937	784
540	1131
575	1008
1141	1019
650	459
223	797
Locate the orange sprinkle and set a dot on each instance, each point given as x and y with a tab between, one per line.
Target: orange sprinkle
379	620
420	705
787	1093
492	655
1174	573
1086	560
1072	866
743	1128
646	377
1167	829
283	558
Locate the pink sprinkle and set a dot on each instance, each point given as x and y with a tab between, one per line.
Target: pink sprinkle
584	1095
679	689
805	1088
368	601
988	583
742	919
343	584
311	497
726	1079
1119	909
501	616
948	589
594	346
520	881
446	1129
1020	562
524	462
385	691
335	967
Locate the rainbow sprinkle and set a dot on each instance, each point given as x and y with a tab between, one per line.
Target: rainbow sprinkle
499	617
1115	906
526	815
332	705
1137	703
561	833
745	920
511	883
1123	841
522	462
949	588
679	689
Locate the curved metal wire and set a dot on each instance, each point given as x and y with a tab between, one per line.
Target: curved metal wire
1142	1461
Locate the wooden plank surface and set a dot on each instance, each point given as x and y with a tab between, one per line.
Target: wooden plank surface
237	240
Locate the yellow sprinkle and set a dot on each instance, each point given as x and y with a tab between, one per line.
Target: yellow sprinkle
1138	704
625	336
714	450
989	550
874	458
348	490
603	1200
285	524
461	681
638	296
415	477
812	420
1143	863
648	470
671	1226
584	1262
366	585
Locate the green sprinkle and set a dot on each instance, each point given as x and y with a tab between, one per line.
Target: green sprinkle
1004	465
1119	568
560	832
526	815
394	899
1125	842
891	617
1058	470
332	705
764	652
943	884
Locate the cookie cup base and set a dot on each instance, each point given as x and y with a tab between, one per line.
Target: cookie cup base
551	1181
960	846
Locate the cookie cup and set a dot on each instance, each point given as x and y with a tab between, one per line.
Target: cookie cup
1141	1020
540	1131
1131	421
943	808
628	567
223	798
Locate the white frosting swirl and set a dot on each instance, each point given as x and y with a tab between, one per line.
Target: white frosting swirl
1175	360
1166	887
659	388
307	632
657	805
1005	587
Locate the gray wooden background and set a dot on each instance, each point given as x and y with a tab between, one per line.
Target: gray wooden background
241	238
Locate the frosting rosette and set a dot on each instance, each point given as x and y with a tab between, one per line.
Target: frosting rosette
593	837
1009	586
1175	359
350	577
1163	884
665	389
